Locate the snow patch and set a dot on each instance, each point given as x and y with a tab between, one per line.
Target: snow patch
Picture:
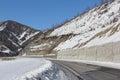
4	49
2	28
41	46
28	37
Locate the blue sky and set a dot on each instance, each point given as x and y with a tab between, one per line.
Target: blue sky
42	14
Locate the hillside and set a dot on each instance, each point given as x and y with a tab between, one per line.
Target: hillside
14	37
97	26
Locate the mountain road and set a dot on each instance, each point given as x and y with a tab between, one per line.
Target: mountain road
88	72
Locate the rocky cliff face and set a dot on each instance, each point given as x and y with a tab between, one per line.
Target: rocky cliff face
96	27
14	37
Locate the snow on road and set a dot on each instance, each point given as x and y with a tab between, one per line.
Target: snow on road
22	68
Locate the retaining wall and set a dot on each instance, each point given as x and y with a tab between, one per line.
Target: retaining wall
109	52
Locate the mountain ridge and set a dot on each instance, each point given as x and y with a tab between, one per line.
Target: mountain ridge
13	36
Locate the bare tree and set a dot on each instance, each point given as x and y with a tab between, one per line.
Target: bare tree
87	9
104	1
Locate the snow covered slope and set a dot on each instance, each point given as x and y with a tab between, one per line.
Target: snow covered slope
93	20
14	36
98	26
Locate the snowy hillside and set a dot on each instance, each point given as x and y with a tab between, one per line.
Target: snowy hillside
92	27
14	36
94	20
98	26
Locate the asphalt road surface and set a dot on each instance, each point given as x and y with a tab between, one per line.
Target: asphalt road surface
83	71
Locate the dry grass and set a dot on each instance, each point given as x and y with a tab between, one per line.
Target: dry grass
112	31
56	39
7	58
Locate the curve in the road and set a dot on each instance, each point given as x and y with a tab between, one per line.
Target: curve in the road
88	72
